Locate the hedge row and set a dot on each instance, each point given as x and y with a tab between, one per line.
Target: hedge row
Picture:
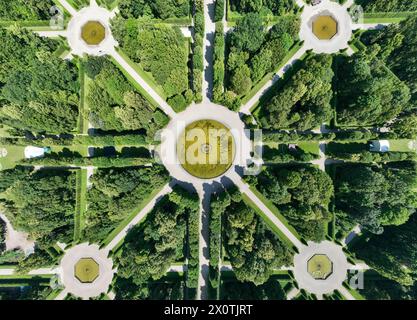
368	156
219	10
351	135
101	162
100	141
218	60
283	154
198	51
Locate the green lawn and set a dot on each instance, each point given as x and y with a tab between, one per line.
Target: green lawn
353	292
14	155
3	130
81	149
403	145
310	146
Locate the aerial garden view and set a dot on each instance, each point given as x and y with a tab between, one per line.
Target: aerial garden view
208	150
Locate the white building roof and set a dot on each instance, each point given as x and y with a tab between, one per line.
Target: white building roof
34	152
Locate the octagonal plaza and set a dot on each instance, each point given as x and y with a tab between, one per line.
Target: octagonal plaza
103	45
320	267
317	29
92	265
321	285
169	137
325	27
86	270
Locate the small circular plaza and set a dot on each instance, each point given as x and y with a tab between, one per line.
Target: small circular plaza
86	271
89	32
320	268
326	27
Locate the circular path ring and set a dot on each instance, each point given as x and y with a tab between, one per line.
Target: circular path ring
333	282
86	290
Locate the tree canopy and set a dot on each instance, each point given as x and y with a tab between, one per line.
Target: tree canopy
302	194
162	9
161	50
253	250
38	90
115	193
253	52
394	253
376	196
41	203
25	9
153	246
368	93
303	102
114	104
397	46
388	5
276	7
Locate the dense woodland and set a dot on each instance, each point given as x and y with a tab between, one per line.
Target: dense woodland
252	52
250	246
368	92
276	7
397	46
114	104
375	196
14	10
379	288
41	203
153	246
234	290
115	194
161	50
163	289
304	101
396	257
3	231
161	9
38	90
34	291
302	194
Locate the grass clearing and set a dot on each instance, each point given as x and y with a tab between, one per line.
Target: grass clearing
403	145
353	292
310	146
10	156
